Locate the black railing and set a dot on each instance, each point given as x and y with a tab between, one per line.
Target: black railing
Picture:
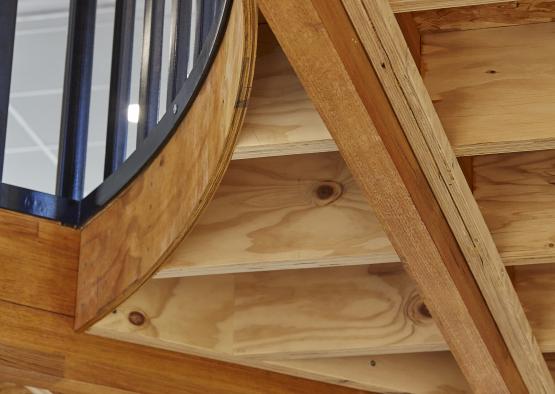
194	39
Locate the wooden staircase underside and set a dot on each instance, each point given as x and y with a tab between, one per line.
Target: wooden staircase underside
343	244
290	269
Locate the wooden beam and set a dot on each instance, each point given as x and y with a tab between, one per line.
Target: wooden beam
130	238
409	98
486	92
365	126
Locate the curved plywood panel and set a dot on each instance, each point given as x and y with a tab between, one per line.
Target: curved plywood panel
123	245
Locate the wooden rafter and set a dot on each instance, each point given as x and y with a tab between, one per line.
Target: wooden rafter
370	132
409	98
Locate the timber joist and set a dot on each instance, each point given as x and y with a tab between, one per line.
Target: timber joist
345	242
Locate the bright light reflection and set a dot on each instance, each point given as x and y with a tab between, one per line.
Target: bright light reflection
133	113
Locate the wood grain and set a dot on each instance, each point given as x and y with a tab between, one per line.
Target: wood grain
409	98
124	244
359	115
283	213
516	194
487	85
412	35
41	349
33	254
281	119
470	96
430	373
486	16
10	388
419	5
330	311
536	289
280	314
323	312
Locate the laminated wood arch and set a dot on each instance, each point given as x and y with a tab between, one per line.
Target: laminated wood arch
124	244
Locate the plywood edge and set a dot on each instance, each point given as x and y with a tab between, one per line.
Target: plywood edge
276	265
430	373
284	149
107	276
422	5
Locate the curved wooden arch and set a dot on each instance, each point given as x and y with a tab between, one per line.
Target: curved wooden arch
126	243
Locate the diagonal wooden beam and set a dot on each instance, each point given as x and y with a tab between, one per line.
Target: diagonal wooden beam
357	104
384	44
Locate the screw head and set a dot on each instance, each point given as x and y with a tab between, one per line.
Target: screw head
174	109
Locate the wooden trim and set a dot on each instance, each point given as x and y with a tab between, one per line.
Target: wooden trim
409	98
123	246
365	127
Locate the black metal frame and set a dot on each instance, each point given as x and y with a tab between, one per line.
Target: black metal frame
151	67
76	212
120	85
7	32
74	125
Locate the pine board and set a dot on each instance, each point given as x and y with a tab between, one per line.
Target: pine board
516	194
494	88
268	215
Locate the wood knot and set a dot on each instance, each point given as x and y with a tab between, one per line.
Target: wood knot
424	311
136	318
416	310
327	192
